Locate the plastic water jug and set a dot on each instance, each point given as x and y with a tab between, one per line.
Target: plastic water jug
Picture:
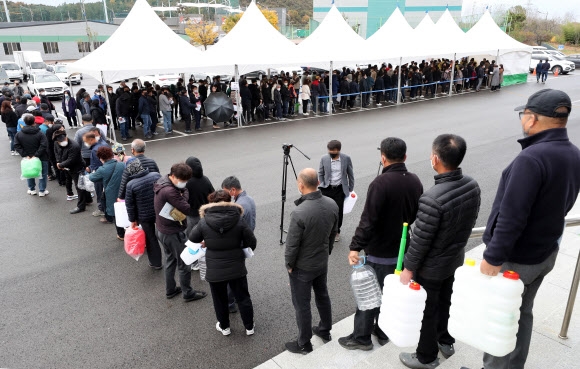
365	286
485	310
192	252
349	202
402	311
121	216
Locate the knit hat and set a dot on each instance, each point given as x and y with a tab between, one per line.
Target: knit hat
134	167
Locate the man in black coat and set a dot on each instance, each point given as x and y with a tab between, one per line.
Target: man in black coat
447	213
246	96
186	107
536	191
30	142
392	200
123	109
254	89
70	161
311	234
199	187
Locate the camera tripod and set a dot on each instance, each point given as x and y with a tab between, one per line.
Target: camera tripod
286	160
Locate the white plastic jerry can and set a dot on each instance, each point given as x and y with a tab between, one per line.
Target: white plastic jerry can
402	311
485	310
349	202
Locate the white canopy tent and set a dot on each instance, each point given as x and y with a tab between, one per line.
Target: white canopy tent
142	45
490	41
333	40
239	47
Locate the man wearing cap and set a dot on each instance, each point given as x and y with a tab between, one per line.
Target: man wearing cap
70	161
535	193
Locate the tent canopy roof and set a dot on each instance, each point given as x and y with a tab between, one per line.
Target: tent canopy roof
487	36
142	45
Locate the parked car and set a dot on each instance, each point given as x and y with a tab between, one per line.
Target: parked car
3	76
162	79
12	70
575	58
52	85
561	65
62	73
556	52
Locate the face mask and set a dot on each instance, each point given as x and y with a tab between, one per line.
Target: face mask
181	185
50	125
285	84
42	94
334	156
63	144
98	94
110	91
97	138
87	145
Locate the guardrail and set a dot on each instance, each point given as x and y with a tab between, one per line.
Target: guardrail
571	221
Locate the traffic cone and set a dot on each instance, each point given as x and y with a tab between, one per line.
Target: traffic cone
534	73
556	72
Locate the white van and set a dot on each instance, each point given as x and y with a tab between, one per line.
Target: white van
30	62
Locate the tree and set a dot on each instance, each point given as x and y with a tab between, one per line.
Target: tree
571	32
233	19
201	33
516	18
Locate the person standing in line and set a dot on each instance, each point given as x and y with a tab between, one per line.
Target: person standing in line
336	178
186	107
123	109
536	191
138	152
70	161
246	95
10	118
144	111
311	234
69	109
171	189
30	143
195	99
93	141
87	124
199	188
447	213
223	232
139	201
233	186
392	199
278	102
113	101
166	110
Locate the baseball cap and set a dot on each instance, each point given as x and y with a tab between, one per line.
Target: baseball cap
545	102
31	108
118	148
59	136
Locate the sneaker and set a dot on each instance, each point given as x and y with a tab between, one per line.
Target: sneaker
105	221
155	267
250	332
225	332
379	104
411	361
188	131
337	238
13	153
350	343
148	136
43	193
197	295
31	192
70	127
446	350
155	133
71	198
295	348
98	213
325	338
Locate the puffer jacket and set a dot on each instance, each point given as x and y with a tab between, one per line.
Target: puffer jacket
69	157
222	229
30	141
146	163
447	213
139	198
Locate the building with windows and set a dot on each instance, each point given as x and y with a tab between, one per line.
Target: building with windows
54	40
367	16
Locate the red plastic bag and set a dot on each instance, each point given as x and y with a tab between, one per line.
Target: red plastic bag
135	242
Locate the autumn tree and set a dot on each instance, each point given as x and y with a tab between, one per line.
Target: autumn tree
233	19
201	33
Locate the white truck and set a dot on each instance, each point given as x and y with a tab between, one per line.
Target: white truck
30	62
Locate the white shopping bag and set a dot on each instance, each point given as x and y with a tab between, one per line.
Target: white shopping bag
248	252
121	216
349	202
192	252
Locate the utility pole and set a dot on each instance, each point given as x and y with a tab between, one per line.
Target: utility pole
88	29
7	12
106	15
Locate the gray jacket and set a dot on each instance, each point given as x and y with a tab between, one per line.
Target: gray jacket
325	172
164	104
85	151
249	206
313	226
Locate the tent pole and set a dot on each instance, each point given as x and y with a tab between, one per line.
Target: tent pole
331	99
238	102
451	81
111	124
299	112
399	83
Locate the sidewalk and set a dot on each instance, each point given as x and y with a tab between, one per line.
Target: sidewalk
547	349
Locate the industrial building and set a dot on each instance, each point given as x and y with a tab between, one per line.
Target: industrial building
367	16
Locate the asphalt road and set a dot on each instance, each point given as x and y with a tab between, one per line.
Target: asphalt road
70	297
